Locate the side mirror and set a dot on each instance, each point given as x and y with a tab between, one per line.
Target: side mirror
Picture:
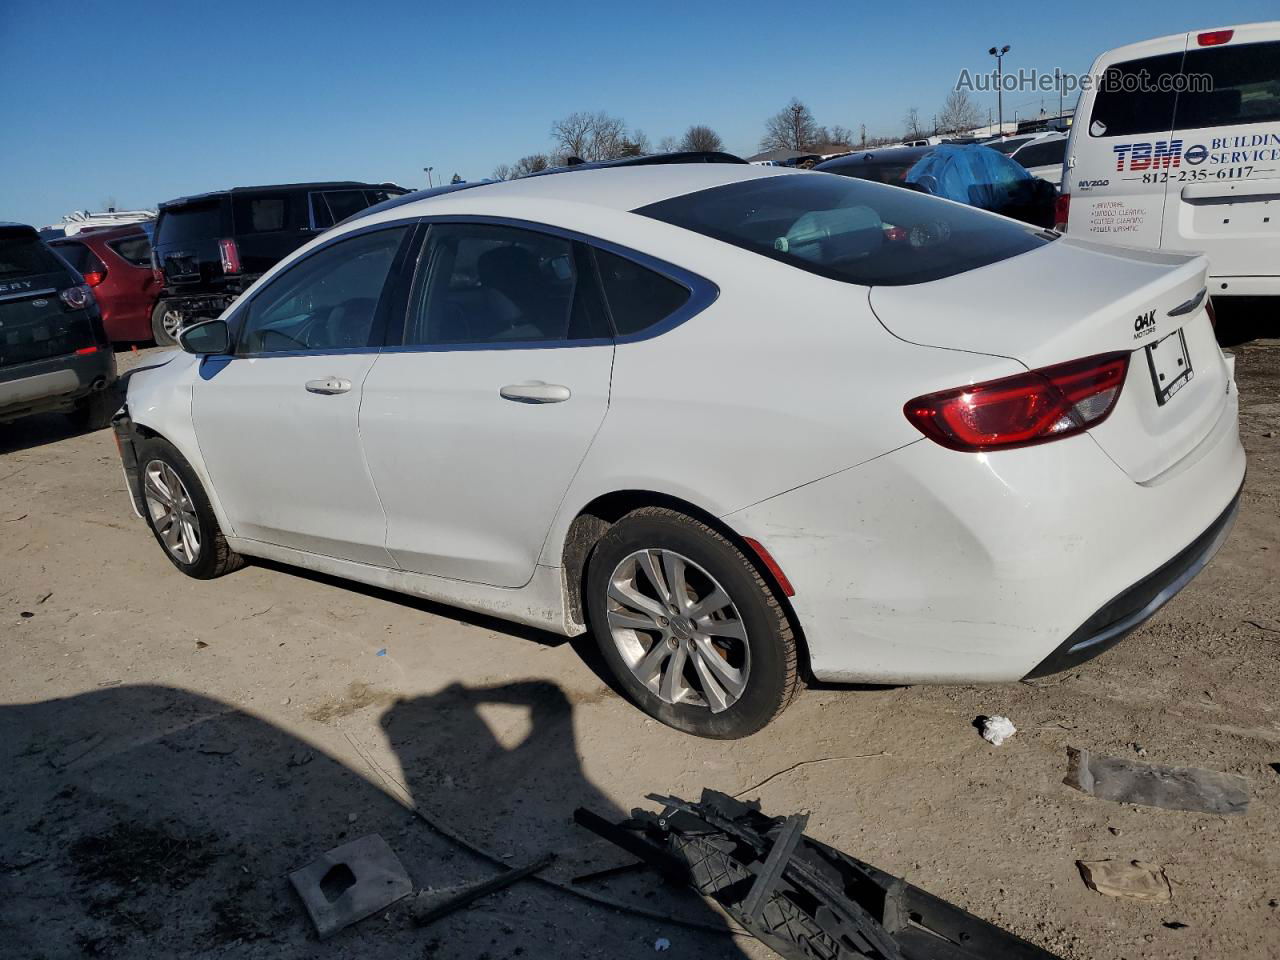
206	339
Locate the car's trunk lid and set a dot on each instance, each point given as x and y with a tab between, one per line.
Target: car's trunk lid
1073	299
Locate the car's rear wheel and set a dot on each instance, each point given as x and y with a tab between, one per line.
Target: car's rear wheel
179	514
689	626
166	323
95	411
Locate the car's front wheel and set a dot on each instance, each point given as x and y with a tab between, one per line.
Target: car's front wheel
689	626
179	514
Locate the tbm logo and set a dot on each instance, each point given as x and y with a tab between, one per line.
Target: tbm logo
1149	156
1144	322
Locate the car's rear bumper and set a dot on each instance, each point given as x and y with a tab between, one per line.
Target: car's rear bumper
927	565
1131	609
54	384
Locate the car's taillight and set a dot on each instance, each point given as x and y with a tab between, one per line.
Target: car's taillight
230	256
1215	38
1045	404
95	277
77	297
1061	210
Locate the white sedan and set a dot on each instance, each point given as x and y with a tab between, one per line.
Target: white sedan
739	422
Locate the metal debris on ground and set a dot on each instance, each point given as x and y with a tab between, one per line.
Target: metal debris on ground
801	898
1132	879
1153	785
662	944
349	883
996	730
430	905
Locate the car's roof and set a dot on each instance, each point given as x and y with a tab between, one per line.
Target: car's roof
12	229
614	188
881	155
103	234
275	187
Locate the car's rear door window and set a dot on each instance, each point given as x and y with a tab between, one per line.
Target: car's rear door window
488	284
1243	86
136	250
260	214
1042	154
638	297
1136	96
848	229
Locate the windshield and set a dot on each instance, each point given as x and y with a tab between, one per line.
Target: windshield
849	229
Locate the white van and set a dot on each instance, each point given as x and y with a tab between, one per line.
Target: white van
1181	151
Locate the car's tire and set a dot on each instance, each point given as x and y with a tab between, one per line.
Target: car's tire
185	526
95	411
166	322
755	676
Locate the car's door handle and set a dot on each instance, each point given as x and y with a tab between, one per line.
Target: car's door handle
328	386
535	391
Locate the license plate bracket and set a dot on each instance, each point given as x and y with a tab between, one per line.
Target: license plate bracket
1170	365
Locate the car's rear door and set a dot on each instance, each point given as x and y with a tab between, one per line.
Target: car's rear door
1122	148
278	422
476	423
1224	200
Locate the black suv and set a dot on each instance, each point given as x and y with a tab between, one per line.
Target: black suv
54	354
208	249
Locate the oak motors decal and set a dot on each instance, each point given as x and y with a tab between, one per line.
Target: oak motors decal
1222	158
1144	325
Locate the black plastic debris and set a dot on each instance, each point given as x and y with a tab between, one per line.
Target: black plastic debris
1153	785
350	882
801	898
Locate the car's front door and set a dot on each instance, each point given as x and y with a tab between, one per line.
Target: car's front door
277	423
475	426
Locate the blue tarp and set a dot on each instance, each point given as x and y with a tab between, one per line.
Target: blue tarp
969	173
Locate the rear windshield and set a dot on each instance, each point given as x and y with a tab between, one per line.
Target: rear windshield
1245	86
81	258
25	256
197	221
137	250
894	172
1136	96
848	229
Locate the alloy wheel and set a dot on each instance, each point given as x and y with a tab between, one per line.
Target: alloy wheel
171	321
172	512
678	630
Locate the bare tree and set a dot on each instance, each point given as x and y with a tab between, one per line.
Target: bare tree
791	128
532	163
840	135
635	144
502	171
911	123
668	145
959	113
701	137
594	136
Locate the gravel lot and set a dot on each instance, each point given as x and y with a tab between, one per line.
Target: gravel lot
172	748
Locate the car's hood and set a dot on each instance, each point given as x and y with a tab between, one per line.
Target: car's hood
1067	299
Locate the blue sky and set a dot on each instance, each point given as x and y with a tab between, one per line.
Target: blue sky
147	101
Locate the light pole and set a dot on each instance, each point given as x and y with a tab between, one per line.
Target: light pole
427	171
999	55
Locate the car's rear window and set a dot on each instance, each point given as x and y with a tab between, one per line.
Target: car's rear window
81	258
196	221
25	256
885	171
849	229
137	250
1245	87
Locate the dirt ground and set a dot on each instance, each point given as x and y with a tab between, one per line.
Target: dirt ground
171	749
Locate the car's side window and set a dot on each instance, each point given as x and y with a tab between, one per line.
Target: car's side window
328	301
638	297
486	284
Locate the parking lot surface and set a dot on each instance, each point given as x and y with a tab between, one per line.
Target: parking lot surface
173	748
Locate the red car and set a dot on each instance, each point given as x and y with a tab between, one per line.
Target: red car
116	263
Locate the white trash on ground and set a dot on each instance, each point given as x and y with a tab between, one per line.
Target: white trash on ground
996	730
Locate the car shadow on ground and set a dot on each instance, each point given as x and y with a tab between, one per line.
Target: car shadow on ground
147	821
36	431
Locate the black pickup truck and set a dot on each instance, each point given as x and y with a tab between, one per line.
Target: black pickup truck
208	249
54	353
